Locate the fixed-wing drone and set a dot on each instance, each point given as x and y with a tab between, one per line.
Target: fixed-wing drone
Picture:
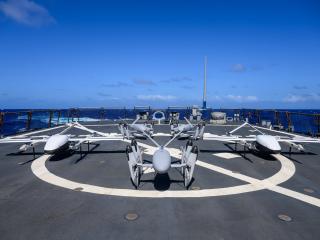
161	161
261	143
61	141
189	130
135	130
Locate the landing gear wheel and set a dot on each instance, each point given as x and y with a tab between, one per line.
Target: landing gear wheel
137	176
187	179
183	171
134	143
128	150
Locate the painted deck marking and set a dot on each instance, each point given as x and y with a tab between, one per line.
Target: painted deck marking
286	172
226	155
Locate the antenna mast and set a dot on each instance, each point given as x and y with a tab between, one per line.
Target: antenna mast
204	102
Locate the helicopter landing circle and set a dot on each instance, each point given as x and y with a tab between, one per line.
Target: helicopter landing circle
286	171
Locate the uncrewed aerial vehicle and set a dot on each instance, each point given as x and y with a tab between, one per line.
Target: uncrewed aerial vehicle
135	130
261	143
189	130
161	160
60	142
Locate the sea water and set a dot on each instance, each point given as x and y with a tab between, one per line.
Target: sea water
15	120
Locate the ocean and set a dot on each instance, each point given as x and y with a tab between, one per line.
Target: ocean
16	120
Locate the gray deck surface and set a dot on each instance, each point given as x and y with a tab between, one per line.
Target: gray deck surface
34	209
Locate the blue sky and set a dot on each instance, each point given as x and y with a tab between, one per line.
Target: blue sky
56	54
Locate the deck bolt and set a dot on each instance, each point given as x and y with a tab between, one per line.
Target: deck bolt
284	218
308	190
131	216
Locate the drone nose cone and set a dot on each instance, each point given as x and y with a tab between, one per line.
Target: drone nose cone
55	143
188	128
161	161
268	143
139	127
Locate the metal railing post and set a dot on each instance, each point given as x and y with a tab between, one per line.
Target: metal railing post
1	120
102	114
276	117
29	119
318	124
288	117
59	115
50	118
257	115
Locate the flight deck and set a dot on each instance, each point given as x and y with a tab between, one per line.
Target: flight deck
234	194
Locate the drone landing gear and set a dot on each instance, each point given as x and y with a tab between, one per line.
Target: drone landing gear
188	162
136	165
135	162
34	153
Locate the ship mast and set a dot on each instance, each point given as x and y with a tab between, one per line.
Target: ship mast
204	102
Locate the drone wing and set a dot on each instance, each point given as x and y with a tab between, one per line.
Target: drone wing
24	140
188	121
135	121
95	133
77	141
173	138
243	125
299	140
28	142
225	138
89	138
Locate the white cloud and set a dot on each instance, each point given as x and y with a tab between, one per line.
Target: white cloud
115	85
216	98
238	67
234	98
103	94
239	98
156	97
177	79
295	98
26	12
298	87
143	82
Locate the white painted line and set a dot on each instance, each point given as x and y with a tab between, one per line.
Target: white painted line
161	135
147	170
223	125
226	155
100	125
299	196
39	169
286	172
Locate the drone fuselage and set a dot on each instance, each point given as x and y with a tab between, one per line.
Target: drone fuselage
161	161
56	143
182	128
141	128
267	144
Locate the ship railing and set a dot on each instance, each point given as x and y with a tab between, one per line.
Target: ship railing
14	121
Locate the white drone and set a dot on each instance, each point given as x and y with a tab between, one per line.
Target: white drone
262	143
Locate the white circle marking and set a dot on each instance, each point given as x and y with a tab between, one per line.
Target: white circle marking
287	171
